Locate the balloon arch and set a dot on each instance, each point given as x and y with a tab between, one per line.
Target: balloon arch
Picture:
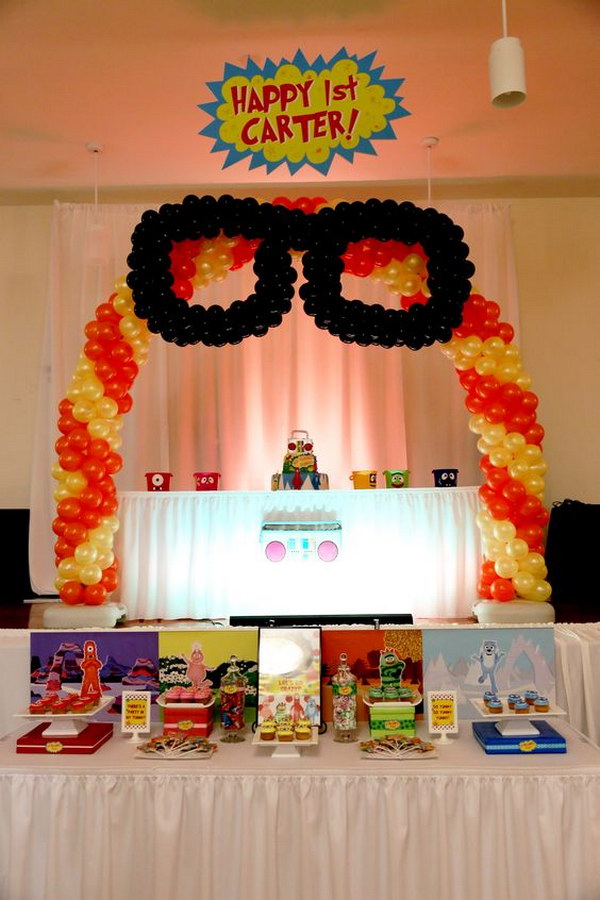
419	254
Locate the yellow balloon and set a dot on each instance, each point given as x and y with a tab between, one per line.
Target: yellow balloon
476	422
58	473
111	522
92	389
99	428
500	457
506	567
106	408
129	326
540	591
102	537
514	441
61	493
523	582
105	559
507	371
523	380
471	346
114	441
518	469
486	365
504	531
68	569
123	304
86	553
83	411
535	564
84	366
90	574
75	482
534	483
492	346
517	548
493	550
493	434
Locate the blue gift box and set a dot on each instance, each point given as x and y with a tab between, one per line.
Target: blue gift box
549	740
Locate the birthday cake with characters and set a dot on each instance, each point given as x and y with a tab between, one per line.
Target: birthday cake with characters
299	470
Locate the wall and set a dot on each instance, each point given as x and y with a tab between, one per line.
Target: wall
560	323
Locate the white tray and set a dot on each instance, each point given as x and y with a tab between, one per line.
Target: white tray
407	753
173	754
68	724
286	748
511	714
162	702
417	698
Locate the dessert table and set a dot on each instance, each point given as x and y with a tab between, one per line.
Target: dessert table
329	825
199	554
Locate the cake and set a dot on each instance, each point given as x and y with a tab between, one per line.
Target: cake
299	471
541	704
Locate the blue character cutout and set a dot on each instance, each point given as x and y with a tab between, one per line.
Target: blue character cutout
489	658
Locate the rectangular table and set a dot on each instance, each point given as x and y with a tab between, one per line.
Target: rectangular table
329	826
199	554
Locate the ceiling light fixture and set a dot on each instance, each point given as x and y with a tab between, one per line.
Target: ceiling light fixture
507	69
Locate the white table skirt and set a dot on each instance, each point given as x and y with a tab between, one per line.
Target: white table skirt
199	554
326	827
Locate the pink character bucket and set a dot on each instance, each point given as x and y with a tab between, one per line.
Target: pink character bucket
207	481
158	481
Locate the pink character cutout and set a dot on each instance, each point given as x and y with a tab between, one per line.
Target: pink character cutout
196	670
90	665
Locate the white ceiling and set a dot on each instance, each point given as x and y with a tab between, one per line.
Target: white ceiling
130	74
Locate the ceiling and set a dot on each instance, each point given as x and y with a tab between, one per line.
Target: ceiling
130	74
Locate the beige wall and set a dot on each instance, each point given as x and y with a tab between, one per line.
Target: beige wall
555	242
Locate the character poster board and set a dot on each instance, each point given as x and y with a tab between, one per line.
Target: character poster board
289	674
121	660
472	661
367	649
202	657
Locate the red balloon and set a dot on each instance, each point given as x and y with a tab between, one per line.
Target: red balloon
93	349
109	506
117	388
99	449
62	443
506	332
502	589
535	434
93	469
125	403
59	525
486	493
510	394
69	508
106	332
70	460
129	371
105	312
65	407
530	507
75	533
529	401
94	595
78	438
121	352
495	412
91	517
532	533
499	508
543	517
485	464
113	463
66	424
107	486
474	404
91	497
496	478
483	590
104	369
520	421
514	491
62	548
488	387
71	592
469	379
110	579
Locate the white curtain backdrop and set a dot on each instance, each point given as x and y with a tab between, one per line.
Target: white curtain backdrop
231	409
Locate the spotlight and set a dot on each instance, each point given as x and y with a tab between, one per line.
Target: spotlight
507	69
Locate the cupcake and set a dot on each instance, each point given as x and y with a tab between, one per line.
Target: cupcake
267	730
302	732
489	695
541	704
405	694
375	695
173	694
495	707
390	693
38	706
512	699
530	697
79	706
285	733
60	706
522	706
187	697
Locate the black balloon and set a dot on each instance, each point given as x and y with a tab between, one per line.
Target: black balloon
322	238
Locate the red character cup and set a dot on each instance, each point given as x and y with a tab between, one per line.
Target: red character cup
158	481
207	481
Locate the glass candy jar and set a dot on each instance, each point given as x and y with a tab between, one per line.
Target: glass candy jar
232	695
344	702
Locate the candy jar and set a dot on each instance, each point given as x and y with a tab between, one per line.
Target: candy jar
233	697
344	702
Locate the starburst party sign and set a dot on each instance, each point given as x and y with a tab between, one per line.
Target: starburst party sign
302	113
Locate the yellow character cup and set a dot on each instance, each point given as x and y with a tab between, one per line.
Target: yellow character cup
364	479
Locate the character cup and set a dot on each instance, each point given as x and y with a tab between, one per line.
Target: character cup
445	477
396	478
207	481
364	479
158	481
